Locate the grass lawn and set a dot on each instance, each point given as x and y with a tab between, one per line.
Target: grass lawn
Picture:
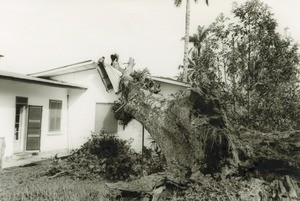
28	184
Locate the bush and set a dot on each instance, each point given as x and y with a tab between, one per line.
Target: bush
102	156
106	156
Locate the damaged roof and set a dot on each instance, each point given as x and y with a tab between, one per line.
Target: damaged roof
113	73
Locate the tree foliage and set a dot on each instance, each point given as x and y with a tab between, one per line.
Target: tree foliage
186	37
251	67
139	77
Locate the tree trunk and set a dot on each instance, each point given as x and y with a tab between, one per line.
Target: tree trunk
193	132
186	40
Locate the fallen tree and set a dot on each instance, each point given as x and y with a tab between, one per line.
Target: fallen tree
193	133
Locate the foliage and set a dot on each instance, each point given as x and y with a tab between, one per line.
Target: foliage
106	156
123	117
141	78
251	68
102	156
153	160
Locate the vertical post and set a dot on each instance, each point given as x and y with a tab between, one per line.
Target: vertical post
143	139
2	149
186	41
68	124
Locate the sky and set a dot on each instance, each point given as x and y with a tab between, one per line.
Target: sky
37	35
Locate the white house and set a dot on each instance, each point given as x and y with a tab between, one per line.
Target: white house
34	113
58	109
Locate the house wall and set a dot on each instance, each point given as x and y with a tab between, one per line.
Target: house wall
168	89
134	133
38	95
82	107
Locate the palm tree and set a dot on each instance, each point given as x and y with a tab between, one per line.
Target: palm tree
197	40
186	37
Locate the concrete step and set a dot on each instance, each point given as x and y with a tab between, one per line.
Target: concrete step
21	155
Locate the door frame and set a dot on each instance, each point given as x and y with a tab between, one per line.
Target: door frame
19	138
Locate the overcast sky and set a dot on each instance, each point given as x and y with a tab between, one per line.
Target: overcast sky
36	35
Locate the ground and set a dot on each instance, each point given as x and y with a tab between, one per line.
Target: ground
28	183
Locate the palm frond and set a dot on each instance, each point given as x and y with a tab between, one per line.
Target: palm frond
191	50
193	39
203	33
177	3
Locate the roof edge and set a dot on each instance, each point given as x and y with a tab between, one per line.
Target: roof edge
170	81
41	81
45	72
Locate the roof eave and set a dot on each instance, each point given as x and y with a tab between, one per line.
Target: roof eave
48	73
48	83
174	82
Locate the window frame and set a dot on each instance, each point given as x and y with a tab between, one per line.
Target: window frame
55	113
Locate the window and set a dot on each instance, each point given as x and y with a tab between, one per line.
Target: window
55	115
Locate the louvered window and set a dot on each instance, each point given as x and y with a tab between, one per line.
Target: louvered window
55	107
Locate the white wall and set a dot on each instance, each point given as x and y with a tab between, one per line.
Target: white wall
82	109
133	131
38	95
168	89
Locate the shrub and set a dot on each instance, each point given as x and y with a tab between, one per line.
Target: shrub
106	156
102	156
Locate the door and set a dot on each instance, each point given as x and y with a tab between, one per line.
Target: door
34	128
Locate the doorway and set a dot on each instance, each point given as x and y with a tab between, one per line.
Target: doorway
20	124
